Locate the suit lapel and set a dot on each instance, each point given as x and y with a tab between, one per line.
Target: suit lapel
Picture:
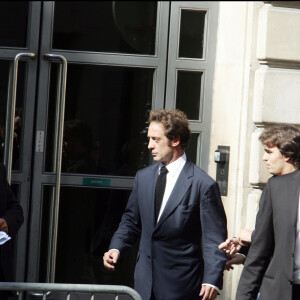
181	187
294	200
150	190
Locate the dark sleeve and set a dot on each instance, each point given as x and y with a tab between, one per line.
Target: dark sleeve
12	212
214	232
129	229
260	251
244	250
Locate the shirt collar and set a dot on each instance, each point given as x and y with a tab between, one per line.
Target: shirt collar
175	165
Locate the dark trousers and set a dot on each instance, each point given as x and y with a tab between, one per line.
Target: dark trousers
296	291
3	294
195	297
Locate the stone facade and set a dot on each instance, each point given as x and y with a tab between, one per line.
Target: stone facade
256	82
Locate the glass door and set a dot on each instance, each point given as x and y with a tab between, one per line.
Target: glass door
101	66
19	38
77	82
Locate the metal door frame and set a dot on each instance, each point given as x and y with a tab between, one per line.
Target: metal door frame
206	64
164	85
22	177
157	62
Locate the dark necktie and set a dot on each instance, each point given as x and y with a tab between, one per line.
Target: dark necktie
160	189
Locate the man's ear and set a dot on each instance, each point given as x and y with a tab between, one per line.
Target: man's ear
286	158
175	142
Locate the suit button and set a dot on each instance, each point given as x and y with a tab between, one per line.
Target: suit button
148	256
292	254
290	281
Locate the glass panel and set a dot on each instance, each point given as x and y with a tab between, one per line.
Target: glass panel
192	28
106	112
5	69
193	148
48	192
13	23
52	140
4	78
16	190
105	26
88	219
188	97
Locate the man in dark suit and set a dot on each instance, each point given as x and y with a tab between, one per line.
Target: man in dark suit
272	265
178	254
11	219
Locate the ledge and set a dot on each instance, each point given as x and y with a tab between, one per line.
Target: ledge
290	4
279	63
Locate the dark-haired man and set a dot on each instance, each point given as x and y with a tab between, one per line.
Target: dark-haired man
273	261
176	210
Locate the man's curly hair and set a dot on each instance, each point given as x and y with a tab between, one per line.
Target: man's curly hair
286	138
175	124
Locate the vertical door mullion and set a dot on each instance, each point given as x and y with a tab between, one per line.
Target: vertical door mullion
204	64
38	155
159	83
28	123
158	62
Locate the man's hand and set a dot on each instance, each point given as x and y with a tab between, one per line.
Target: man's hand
236	259
3	225
230	246
244	237
208	292
110	258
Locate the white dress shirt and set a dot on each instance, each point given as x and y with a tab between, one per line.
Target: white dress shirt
174	170
296	276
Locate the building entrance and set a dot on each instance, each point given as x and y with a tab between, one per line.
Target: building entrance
77	82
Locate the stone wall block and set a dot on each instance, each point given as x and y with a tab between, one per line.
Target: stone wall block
279	34
258	173
252	208
276	96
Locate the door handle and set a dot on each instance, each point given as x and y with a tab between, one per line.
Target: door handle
60	109
10	114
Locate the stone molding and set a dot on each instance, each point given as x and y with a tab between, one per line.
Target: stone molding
279	36
290	4
276	95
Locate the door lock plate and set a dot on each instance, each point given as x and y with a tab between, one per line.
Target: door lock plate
39	143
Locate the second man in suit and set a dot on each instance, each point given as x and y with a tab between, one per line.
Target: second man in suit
176	210
273	261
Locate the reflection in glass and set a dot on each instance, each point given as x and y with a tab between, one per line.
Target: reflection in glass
47	199
194	147
88	219
105	26
188	97
77	148
16	190
192	28
106	111
13	23
5	72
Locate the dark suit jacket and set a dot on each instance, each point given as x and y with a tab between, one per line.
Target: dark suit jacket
12	213
269	263
181	251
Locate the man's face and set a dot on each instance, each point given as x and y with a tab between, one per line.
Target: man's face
275	161
159	144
